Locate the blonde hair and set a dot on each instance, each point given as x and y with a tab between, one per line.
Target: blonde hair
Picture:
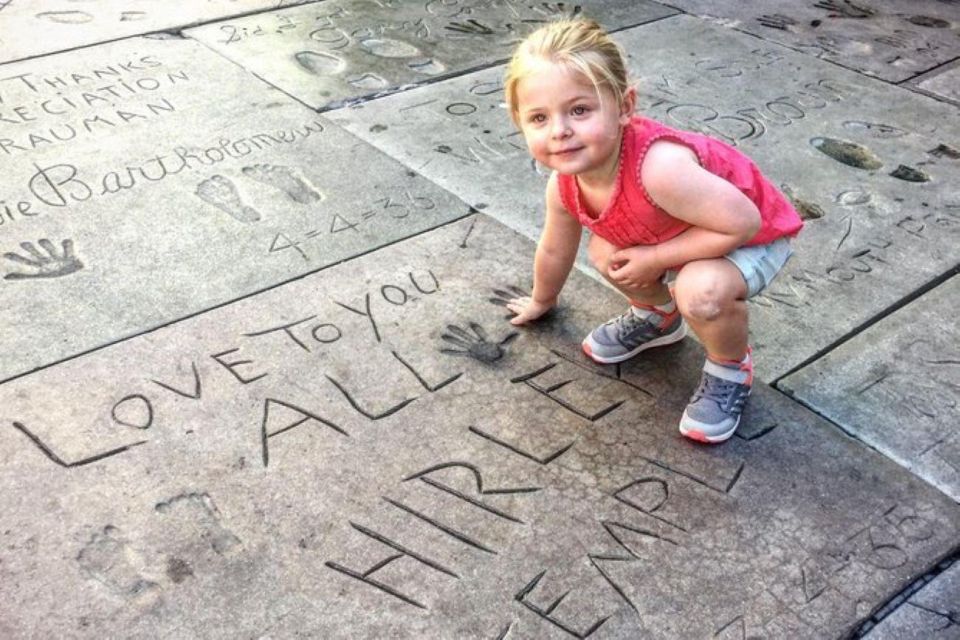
578	45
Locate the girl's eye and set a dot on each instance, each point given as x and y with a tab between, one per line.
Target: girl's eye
579	110
537	118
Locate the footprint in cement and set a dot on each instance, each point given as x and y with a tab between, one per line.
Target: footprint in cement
849	153
945	151
808	210
927	21
427	66
875	129
389	48
199	511
284	179
369	81
910	174
319	63
223	194
108	559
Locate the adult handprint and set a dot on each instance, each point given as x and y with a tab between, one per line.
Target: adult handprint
51	264
475	345
502	297
521	306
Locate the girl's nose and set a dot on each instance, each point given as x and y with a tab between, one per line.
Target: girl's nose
560	128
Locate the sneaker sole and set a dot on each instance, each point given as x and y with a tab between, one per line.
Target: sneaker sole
662	341
700	436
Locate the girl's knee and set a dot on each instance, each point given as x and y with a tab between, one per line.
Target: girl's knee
705	293
700	306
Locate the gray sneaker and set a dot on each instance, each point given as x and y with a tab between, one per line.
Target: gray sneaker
714	410
627	335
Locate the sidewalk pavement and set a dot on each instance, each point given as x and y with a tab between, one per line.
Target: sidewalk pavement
257	379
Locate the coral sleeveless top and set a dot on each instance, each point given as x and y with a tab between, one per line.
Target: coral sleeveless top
632	218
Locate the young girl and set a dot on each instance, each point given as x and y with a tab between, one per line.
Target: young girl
665	207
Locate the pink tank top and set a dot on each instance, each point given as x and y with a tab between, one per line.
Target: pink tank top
632	218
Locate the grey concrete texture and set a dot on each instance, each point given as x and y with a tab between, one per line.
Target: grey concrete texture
896	386
374	451
933	613
942	83
29	28
148	180
256	379
339	51
873	168
889	39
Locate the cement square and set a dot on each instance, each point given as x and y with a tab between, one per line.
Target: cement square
942	82
872	168
929	614
896	386
339	51
373	451
889	39
148	180
30	28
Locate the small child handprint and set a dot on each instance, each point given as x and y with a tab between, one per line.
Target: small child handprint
51	264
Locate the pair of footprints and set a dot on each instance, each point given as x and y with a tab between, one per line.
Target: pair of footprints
222	193
113	560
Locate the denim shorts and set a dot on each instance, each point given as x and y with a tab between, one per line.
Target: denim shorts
759	264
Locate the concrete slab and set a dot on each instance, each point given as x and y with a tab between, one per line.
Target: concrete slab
339	51
873	168
889	39
149	180
30	29
457	133
941	83
896	386
245	473
929	614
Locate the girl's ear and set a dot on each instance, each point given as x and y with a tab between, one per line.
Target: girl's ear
628	105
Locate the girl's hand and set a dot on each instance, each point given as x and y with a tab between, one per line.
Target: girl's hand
527	309
635	267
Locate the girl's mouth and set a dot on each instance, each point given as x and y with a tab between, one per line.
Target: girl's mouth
567	152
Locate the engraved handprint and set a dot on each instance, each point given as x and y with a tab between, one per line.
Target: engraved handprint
558	9
52	264
520	304
777	21
503	297
508	293
475	345
472	27
845	9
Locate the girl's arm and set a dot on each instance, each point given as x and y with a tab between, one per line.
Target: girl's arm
722	217
554	258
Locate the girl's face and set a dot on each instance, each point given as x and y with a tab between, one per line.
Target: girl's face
569	126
